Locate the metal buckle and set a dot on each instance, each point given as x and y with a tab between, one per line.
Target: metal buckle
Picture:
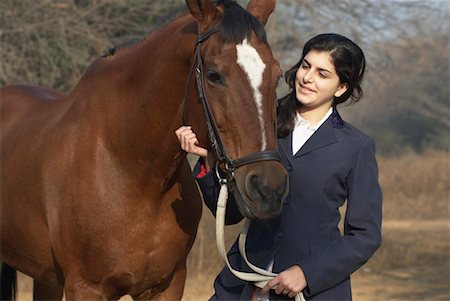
221	180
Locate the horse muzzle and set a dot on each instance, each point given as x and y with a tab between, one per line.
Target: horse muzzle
261	189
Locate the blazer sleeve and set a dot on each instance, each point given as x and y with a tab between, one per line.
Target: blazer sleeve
362	228
210	187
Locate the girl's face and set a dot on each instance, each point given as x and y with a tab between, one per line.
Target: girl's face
316	82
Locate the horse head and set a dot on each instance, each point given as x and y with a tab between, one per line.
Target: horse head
237	75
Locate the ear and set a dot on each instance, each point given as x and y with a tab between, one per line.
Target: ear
204	12
341	90
261	9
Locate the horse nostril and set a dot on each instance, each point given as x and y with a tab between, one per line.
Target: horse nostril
256	186
263	191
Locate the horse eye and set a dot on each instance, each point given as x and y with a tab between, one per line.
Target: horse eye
214	77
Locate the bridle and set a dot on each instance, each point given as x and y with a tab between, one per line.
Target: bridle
260	277
229	165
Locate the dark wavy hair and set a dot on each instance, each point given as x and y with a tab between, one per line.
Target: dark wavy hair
350	64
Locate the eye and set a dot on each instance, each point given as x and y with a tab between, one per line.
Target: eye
214	77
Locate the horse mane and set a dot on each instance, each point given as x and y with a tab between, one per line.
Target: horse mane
236	25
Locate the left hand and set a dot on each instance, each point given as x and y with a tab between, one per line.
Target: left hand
289	282
189	142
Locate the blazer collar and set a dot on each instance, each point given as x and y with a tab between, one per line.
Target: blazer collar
321	138
336	119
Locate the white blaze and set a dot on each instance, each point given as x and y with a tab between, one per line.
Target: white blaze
250	61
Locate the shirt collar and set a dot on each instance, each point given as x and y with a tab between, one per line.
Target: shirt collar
302	122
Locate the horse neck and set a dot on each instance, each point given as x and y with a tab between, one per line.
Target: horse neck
135	97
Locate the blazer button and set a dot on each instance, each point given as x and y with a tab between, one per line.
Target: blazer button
280	234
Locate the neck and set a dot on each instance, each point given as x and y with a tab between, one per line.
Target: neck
137	101
314	115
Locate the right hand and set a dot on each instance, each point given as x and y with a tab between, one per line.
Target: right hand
189	142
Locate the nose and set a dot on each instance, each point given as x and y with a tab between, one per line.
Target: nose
260	189
308	76
267	191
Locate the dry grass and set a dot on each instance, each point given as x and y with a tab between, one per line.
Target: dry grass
416	186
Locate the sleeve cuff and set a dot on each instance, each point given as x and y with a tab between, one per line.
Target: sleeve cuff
199	170
202	172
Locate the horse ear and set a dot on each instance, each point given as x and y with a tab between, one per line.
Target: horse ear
204	12
261	9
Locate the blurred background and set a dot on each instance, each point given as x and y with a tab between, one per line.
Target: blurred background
406	109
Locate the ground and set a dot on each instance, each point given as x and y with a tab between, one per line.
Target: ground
412	264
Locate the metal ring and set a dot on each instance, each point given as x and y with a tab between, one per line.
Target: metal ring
221	180
229	166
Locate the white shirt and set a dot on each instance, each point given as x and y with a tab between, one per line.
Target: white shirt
303	130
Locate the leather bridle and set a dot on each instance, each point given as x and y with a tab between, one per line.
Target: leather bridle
229	165
260	277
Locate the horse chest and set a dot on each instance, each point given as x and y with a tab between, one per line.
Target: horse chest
152	262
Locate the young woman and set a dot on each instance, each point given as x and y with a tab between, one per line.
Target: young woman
329	161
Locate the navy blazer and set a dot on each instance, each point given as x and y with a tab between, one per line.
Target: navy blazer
336	164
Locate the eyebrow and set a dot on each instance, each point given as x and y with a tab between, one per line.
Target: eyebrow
320	69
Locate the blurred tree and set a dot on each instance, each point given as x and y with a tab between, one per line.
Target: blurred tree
51	42
406	103
412	103
367	22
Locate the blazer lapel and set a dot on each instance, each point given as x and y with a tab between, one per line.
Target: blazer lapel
322	137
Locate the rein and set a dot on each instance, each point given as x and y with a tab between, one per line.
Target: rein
213	132
260	277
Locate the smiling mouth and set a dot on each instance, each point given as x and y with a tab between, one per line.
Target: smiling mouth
305	90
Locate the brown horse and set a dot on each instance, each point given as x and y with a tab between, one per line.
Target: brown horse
94	195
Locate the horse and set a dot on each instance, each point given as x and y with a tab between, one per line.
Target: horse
97	198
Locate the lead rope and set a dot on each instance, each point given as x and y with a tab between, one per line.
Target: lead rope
261	276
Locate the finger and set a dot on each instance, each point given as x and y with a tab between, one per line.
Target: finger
192	144
190	141
270	285
181	129
182	134
280	288
185	130
188	136
292	294
202	152
185	136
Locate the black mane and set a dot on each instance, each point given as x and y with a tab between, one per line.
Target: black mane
238	24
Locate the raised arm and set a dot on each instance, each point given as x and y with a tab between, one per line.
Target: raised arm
206	179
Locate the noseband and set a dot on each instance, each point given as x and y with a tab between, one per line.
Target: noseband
213	132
